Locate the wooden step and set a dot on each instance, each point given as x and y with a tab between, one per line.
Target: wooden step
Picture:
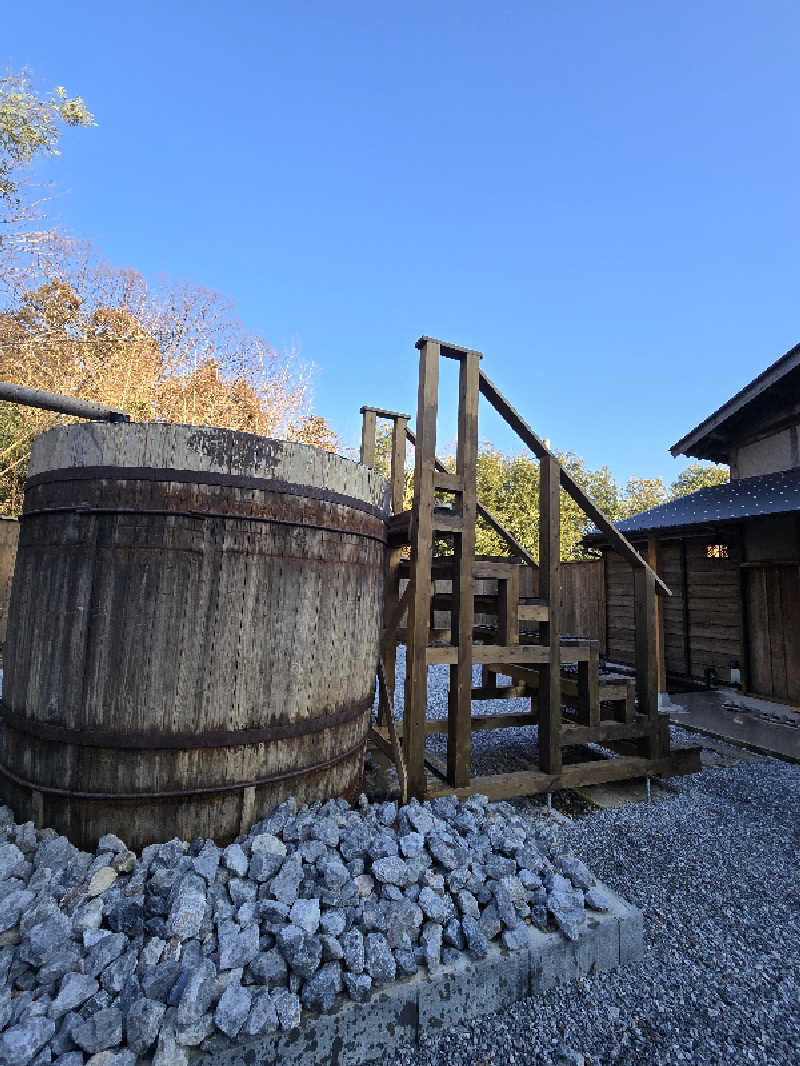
500	657
534	611
398	530
443	566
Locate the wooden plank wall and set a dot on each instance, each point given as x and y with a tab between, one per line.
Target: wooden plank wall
714	600
676	647
772	595
702	617
583	601
619	609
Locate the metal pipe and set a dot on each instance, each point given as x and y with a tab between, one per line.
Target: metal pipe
66	405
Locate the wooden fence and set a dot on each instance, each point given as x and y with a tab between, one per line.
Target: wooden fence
583	608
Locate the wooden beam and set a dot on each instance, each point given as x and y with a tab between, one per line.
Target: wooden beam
644	609
508	609
509	538
588	686
652	562
496	654
533	612
542	452
495	692
575	775
394	616
459	730
367	457
398	462
448	523
549	695
447	482
416	696
396	750
381	412
607	733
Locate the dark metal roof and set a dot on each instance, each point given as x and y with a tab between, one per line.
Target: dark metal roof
776	387
748	497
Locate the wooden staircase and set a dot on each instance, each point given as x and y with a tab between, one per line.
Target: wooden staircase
570	703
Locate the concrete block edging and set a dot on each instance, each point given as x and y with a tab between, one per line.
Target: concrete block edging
400	1014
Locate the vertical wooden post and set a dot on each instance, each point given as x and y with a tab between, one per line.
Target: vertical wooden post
589	687
398	467
416	696
367	437
508	608
661	667
459	718
644	611
394	557
687	645
549	697
391	597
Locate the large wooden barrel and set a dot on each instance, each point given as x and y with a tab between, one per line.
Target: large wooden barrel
9	534
193	630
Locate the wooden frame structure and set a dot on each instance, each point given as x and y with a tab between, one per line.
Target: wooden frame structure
597	711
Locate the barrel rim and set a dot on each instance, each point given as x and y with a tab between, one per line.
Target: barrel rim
376	487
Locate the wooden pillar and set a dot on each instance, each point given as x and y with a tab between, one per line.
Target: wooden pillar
394	556
549	696
644	610
661	667
398	462
459	717
416	696
508	608
589	687
367	457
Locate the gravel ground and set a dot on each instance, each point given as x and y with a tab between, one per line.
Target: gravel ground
715	872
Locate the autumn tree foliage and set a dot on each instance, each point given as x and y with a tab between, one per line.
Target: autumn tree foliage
173	352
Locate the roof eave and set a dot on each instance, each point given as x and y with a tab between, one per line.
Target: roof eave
692	443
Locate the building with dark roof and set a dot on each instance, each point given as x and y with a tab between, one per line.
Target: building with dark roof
731	553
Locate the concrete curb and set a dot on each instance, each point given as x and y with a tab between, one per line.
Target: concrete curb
400	1014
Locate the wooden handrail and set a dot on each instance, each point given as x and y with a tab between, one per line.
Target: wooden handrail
541	451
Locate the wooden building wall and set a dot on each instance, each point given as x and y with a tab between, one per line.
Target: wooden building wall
702	618
582	597
772	604
715	605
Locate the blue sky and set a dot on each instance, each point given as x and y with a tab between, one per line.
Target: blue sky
602	197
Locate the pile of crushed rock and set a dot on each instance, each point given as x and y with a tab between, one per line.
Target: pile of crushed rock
107	957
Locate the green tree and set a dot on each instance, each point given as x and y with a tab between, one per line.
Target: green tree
642	493
698	476
30	125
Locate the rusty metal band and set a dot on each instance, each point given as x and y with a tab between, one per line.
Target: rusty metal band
181	793
201	477
82	509
154	741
